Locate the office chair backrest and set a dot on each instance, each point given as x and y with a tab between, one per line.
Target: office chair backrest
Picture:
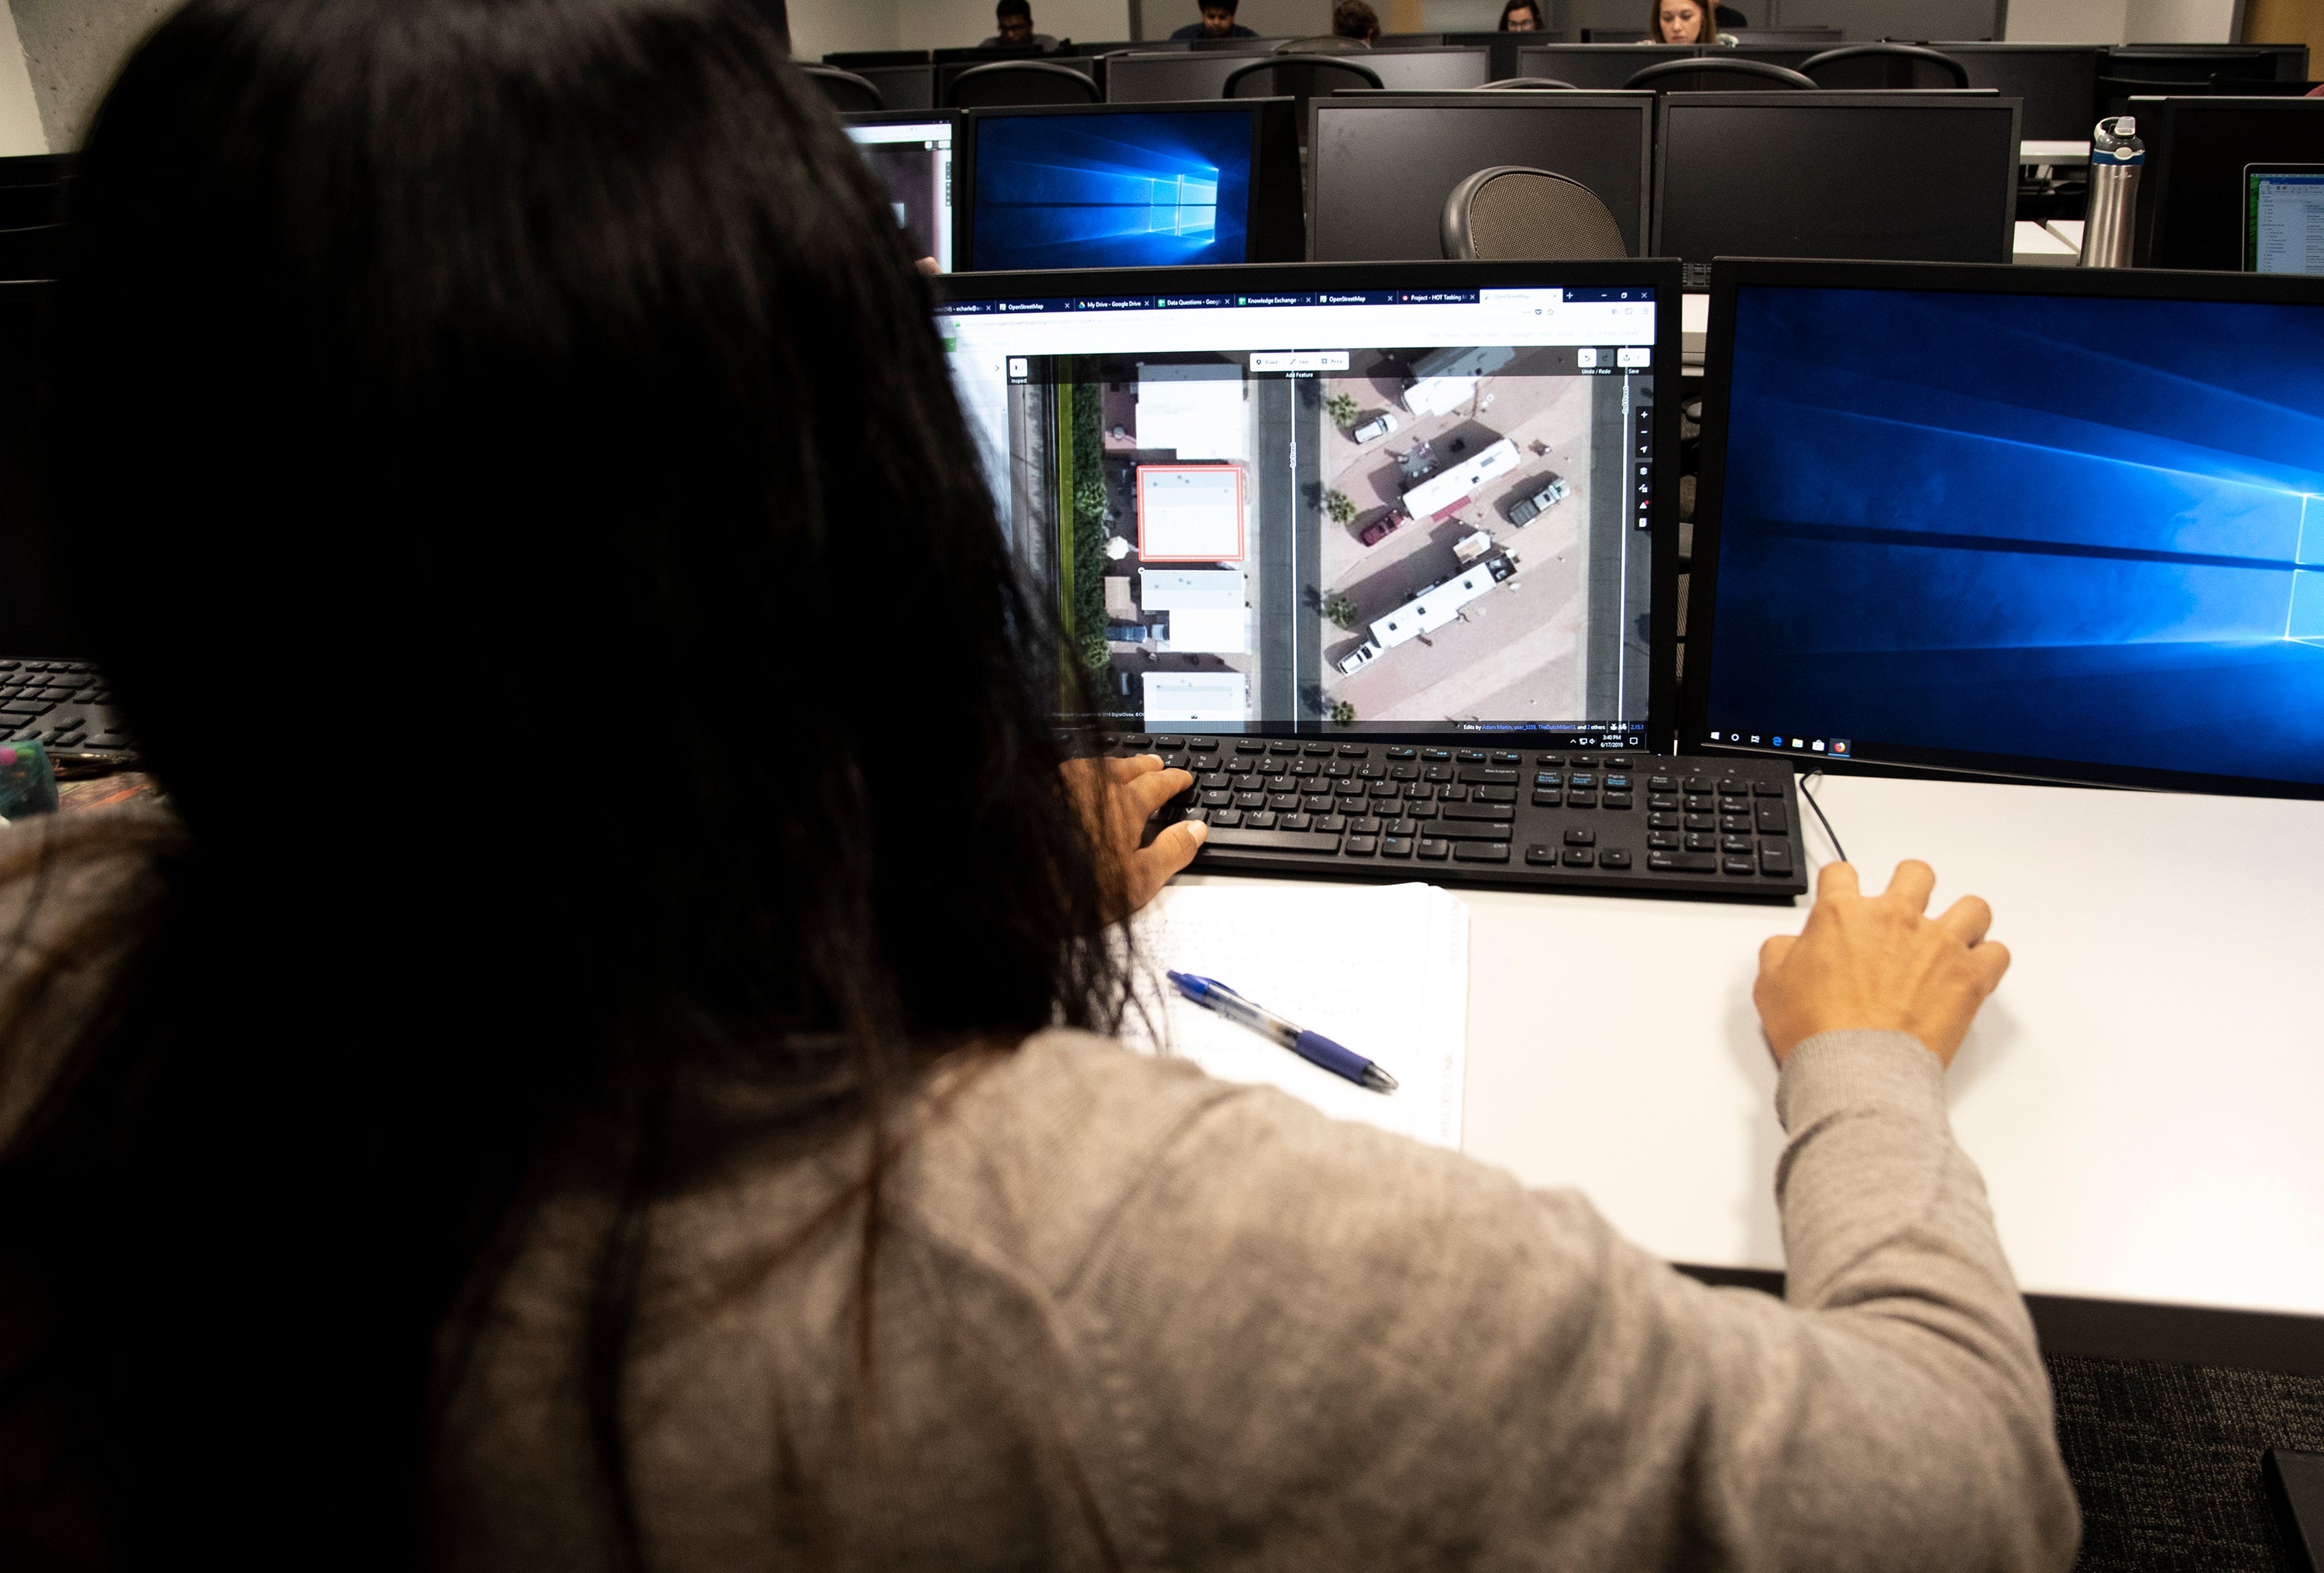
1509	213
1516	84
1015	84
1711	74
1885	65
1300	77
1329	44
849	93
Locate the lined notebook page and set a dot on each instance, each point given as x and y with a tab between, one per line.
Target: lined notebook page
1381	969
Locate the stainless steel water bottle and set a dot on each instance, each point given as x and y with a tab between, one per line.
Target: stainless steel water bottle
2117	155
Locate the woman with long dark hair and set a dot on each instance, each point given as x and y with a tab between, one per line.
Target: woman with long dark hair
605	1066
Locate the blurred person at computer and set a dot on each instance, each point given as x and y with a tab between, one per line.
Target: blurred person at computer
1676	21
1015	20
643	1096
1356	20
1218	22
1522	16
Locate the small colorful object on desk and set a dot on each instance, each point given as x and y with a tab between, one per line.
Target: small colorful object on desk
28	780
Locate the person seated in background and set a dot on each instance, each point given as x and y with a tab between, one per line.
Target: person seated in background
1522	16
1677	22
1015	20
720	1157
1355	19
1218	22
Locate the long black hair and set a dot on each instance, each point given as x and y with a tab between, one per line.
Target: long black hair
516	494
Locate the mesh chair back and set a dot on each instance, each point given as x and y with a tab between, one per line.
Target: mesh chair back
1885	65
1522	84
1509	213
1711	74
849	93
1300	77
1015	84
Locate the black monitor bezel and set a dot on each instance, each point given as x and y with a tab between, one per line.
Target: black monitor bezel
1462	99
1659	274
1729	274
2158	120
958	120
2095	52
1267	115
1949	99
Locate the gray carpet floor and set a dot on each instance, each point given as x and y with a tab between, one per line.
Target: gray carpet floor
2166	1459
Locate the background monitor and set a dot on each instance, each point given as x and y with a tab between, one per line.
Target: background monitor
1924	177
1596	65
1177	76
1133	185
2050	522
2284	218
914	153
1430	70
2190	200
34	617
1381	164
2059	83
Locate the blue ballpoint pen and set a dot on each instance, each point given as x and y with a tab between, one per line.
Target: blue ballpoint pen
1312	1047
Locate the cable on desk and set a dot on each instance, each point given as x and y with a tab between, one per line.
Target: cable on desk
1818	806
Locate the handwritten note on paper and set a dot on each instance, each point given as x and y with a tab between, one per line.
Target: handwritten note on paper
1383	970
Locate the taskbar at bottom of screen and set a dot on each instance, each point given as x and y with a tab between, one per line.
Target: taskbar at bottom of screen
1530	734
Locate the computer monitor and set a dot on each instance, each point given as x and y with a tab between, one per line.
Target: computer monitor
2284	218
915	153
2062	524
2191	197
1113	185
1396	499
35	620
1924	177
1596	65
2058	82
1429	70
1359	211
1177	76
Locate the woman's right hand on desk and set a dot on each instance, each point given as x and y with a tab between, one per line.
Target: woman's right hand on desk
1879	963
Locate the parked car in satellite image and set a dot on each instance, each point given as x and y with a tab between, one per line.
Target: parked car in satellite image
1525	510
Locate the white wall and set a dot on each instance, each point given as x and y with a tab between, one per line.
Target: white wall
20	111
821	27
2181	22
2122	21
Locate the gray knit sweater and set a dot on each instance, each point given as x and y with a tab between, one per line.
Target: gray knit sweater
1124	1316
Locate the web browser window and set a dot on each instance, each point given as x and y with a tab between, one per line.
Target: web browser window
1388	511
914	162
2284	216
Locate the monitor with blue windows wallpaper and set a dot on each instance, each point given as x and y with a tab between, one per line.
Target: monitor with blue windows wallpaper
1976	519
1134	185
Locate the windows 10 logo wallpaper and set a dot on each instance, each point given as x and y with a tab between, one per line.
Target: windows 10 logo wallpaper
2065	529
1112	190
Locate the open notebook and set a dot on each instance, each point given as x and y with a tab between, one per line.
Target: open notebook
1383	970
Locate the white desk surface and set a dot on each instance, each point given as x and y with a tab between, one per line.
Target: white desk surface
2145	1094
2053	153
2034	245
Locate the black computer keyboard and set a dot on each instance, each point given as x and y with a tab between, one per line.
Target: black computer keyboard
63	703
1634	823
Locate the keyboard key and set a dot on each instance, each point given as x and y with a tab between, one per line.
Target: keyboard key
1436	753
1167	742
1407	829
1545	800
1371	772
1582	778
1617	784
1507	758
1273	748
1580	799
1274	841
1735	844
1300	821
1616	762
1740	866
1576	836
1735	821
1481	851
1614	858
1476	811
1283	802
1470	755
1702	821
1580	857
1339	770
1766	789
1475	774
1618	800
1307	768
1249	746
1251	800
1331	824
1551	761
1662	821
1260	820
1494	795
1439	773
1682	863
1455	793
1403	754
1770	817
1701	841
1354	751
1419	791
1317	749
1662	840
1436	848
1363	846
1698	784
1734	786
1404	772
1418	810
1538	854
1225	817
1775	859
1218	798
1662	784
1459	830
1395	846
